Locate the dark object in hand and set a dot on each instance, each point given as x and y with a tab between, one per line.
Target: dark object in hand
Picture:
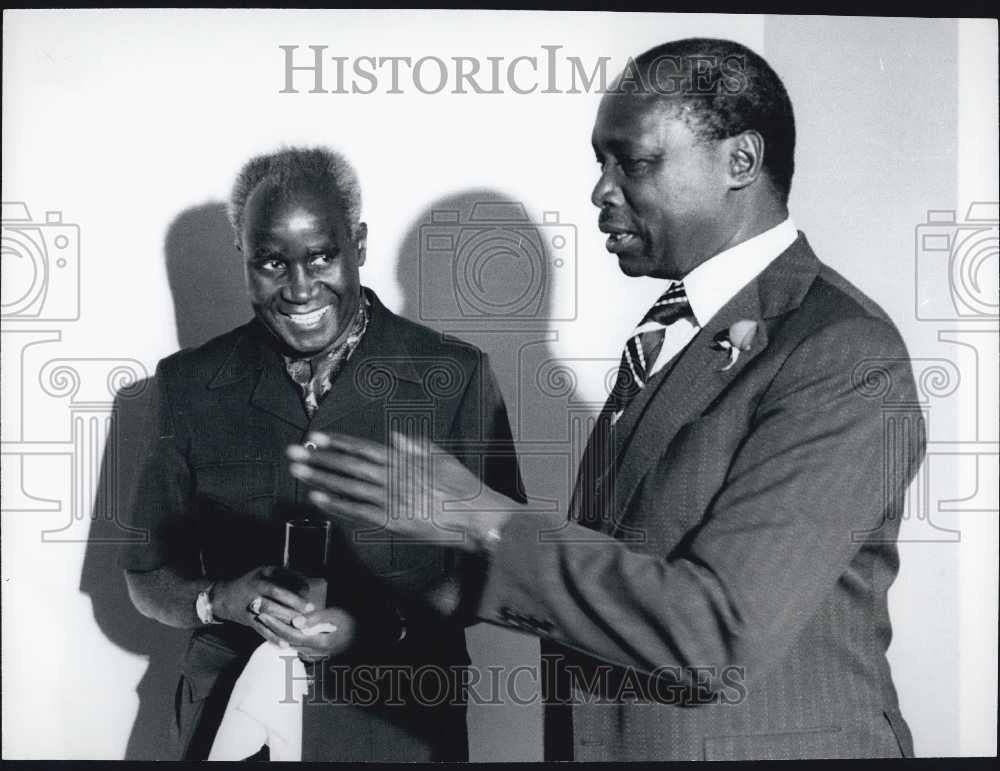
306	542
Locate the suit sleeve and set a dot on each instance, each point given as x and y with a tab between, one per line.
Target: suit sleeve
809	475
159	505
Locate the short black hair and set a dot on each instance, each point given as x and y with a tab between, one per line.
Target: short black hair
724	88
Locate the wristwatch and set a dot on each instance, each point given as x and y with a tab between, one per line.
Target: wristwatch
203	605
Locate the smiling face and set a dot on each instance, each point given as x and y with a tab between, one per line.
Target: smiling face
662	189
302	263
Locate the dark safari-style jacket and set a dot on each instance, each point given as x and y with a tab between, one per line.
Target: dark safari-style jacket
215	491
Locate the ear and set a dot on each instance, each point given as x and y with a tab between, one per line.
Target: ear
745	155
361	242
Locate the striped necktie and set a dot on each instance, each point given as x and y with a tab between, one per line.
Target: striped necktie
643	347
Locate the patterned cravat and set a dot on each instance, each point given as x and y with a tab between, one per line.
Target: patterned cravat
643	347
315	376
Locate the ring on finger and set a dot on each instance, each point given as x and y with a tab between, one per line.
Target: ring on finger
255	605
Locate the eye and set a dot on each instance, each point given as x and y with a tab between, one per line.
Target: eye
634	166
270	265
322	259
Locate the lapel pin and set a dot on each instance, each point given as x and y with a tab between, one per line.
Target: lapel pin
738	338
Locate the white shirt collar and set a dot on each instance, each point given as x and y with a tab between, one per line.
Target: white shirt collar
717	280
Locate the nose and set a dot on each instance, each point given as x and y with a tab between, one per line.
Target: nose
298	290
606	192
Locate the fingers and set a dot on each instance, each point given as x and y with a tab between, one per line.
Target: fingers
352	445
287	633
337	462
351	457
279	596
323	621
409	445
324	627
330	629
346	507
265	631
274	609
331	614
335	482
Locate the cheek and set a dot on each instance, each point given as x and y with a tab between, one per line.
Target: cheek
261	289
645	201
331	280
339	278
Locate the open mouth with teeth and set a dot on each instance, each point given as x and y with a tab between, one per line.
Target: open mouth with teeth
620	241
307	320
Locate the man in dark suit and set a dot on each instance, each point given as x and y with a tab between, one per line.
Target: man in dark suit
719	588
322	353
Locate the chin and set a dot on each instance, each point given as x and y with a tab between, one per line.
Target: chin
309	345
632	265
300	342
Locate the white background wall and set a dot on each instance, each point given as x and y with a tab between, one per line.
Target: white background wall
132	124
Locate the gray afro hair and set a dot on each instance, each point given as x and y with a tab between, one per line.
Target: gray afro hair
293	165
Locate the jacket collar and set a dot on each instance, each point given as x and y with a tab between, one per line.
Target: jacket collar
255	353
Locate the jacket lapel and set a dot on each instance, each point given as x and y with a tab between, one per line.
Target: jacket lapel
697	378
277	395
253	355
381	357
369	377
680	390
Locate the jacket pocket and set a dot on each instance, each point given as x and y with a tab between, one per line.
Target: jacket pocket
820	742
234	504
205	663
236	482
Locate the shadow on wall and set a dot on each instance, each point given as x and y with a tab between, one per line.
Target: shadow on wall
205	273
474	265
206	281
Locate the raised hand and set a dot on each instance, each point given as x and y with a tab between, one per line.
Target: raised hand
414	490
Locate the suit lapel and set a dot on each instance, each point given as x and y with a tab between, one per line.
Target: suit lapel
679	392
697	378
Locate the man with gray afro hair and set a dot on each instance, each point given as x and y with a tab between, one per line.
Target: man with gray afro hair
289	166
237	421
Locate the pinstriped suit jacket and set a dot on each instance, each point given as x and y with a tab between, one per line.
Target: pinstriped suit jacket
719	589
